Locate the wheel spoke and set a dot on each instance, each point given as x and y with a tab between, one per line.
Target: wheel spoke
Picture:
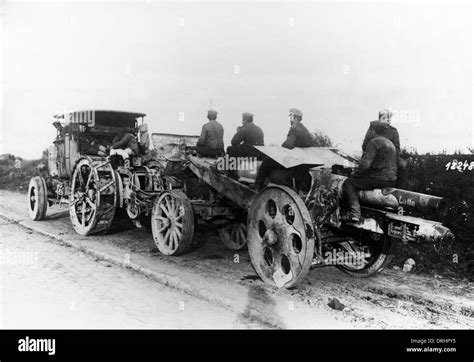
173	206
168	205
91	204
232	233
178	234
83	213
165	210
88	180
243	237
162	227
173	240
166	238
74	202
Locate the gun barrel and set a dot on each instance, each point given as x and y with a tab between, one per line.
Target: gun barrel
408	200
388	197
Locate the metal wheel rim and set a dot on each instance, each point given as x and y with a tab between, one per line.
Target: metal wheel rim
91	216
376	257
286	262
81	200
33	202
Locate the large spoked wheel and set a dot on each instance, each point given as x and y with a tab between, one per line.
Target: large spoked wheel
234	235
93	198
367	256
37	198
172	223
280	237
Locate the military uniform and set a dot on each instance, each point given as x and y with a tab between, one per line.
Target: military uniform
125	142
377	169
378	128
299	136
247	136
211	141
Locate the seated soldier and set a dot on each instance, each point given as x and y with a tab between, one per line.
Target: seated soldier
144	139
377	169
211	141
125	145
247	135
383	127
298	136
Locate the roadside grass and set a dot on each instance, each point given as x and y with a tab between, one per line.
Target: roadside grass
15	173
432	174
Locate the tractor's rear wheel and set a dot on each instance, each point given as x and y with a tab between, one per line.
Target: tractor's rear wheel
172	223
280	236
37	198
93	198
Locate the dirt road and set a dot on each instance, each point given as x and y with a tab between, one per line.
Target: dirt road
211	277
45	285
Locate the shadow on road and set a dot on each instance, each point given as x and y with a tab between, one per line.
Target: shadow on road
58	215
258	300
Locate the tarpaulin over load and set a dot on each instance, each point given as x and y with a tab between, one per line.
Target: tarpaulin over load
313	156
168	144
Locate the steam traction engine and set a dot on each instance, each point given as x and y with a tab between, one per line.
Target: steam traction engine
81	175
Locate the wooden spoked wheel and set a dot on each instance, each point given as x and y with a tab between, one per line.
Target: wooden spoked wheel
172	223
234	235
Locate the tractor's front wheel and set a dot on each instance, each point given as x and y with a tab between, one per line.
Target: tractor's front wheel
37	198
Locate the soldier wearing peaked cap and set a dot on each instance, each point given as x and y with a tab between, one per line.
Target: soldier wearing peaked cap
298	136
247	136
211	141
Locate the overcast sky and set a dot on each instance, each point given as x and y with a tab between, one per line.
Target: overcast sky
340	63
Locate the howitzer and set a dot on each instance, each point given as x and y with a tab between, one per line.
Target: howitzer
388	207
292	227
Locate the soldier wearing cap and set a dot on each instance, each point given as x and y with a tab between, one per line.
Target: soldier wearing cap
383	128
247	136
211	141
298	136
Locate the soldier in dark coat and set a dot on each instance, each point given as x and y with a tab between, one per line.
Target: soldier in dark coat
298	136
124	144
377	169
383	127
247	136
211	141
